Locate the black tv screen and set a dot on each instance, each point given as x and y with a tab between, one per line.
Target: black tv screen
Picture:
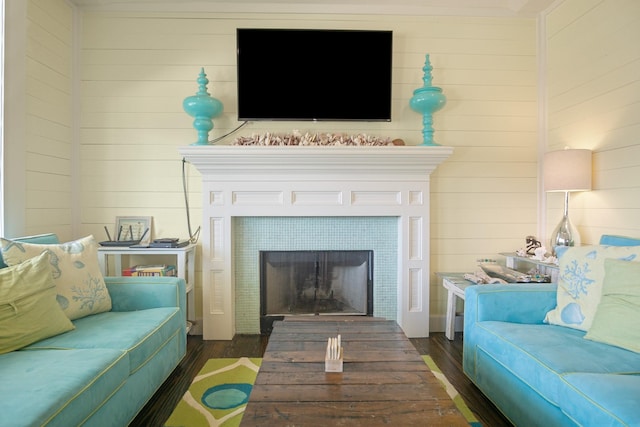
302	74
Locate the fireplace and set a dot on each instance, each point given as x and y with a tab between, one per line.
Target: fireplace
315	283
314	182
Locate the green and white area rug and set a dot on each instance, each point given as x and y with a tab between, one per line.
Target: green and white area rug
219	393
452	392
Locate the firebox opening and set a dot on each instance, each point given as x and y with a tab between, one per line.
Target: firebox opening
331	282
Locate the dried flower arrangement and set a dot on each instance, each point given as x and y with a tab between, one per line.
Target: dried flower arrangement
297	138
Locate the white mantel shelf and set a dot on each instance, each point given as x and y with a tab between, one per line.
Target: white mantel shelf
395	162
314	181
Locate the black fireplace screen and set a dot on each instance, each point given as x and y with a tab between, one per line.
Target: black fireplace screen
316	283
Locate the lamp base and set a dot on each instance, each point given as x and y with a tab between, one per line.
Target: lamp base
565	234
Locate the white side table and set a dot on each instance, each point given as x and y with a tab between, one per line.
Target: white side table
185	265
455	284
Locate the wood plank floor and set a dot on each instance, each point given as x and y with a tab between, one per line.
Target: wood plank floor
447	355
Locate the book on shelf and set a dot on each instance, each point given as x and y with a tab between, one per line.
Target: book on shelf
150	270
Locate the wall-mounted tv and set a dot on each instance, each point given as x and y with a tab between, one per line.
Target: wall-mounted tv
309	74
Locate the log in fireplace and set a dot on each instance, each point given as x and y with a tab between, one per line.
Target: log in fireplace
325	282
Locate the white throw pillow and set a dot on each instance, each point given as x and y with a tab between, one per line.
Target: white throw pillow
580	278
76	273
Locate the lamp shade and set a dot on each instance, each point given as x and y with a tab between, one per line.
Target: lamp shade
567	170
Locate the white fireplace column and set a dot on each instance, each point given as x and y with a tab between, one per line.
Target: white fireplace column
287	181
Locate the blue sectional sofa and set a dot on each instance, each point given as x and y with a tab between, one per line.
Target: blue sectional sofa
107	368
542	374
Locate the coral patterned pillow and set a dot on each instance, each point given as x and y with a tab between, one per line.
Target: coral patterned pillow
580	279
76	273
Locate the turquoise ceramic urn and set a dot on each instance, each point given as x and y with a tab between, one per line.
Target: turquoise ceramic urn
427	100
203	107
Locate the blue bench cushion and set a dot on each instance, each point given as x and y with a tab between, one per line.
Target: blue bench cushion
540	355
140	333
38	385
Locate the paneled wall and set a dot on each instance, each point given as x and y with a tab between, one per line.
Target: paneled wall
74	161
593	75
38	118
136	68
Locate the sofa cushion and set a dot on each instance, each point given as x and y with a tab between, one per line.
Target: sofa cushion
76	273
48	238
29	311
580	278
140	333
614	395
539	355
617	319
69	385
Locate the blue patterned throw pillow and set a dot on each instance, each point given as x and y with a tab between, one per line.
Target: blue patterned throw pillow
580	278
76	273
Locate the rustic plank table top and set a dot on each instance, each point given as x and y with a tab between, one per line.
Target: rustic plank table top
384	379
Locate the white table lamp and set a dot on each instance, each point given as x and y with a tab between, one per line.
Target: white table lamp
567	170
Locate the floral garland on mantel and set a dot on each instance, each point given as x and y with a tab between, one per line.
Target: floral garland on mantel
316	139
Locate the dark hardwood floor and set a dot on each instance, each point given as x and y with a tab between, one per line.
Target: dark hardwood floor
447	355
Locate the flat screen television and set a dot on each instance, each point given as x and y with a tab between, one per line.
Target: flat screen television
309	74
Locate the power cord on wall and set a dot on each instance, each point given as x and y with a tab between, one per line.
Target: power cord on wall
194	236
213	141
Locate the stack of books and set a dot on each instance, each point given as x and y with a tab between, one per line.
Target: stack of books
150	270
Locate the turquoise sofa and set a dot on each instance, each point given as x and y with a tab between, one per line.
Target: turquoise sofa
106	369
541	374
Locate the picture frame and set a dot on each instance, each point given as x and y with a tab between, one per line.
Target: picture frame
133	228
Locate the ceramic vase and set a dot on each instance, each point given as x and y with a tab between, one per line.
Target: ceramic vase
203	107
427	100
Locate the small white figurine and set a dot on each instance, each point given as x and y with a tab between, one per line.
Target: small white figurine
540	253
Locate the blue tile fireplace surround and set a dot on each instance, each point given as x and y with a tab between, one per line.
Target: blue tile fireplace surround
255	234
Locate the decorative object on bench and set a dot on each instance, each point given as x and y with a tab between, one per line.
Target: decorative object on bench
566	171
427	100
334	357
204	108
532	244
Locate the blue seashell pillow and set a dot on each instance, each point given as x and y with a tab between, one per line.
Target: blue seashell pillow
80	286
580	278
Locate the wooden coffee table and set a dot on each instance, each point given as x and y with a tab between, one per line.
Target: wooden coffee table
384	381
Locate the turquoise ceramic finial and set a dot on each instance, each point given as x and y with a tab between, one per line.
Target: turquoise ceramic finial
203	107
427	100
427	71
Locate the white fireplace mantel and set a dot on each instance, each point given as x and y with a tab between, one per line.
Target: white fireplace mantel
396	163
315	181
